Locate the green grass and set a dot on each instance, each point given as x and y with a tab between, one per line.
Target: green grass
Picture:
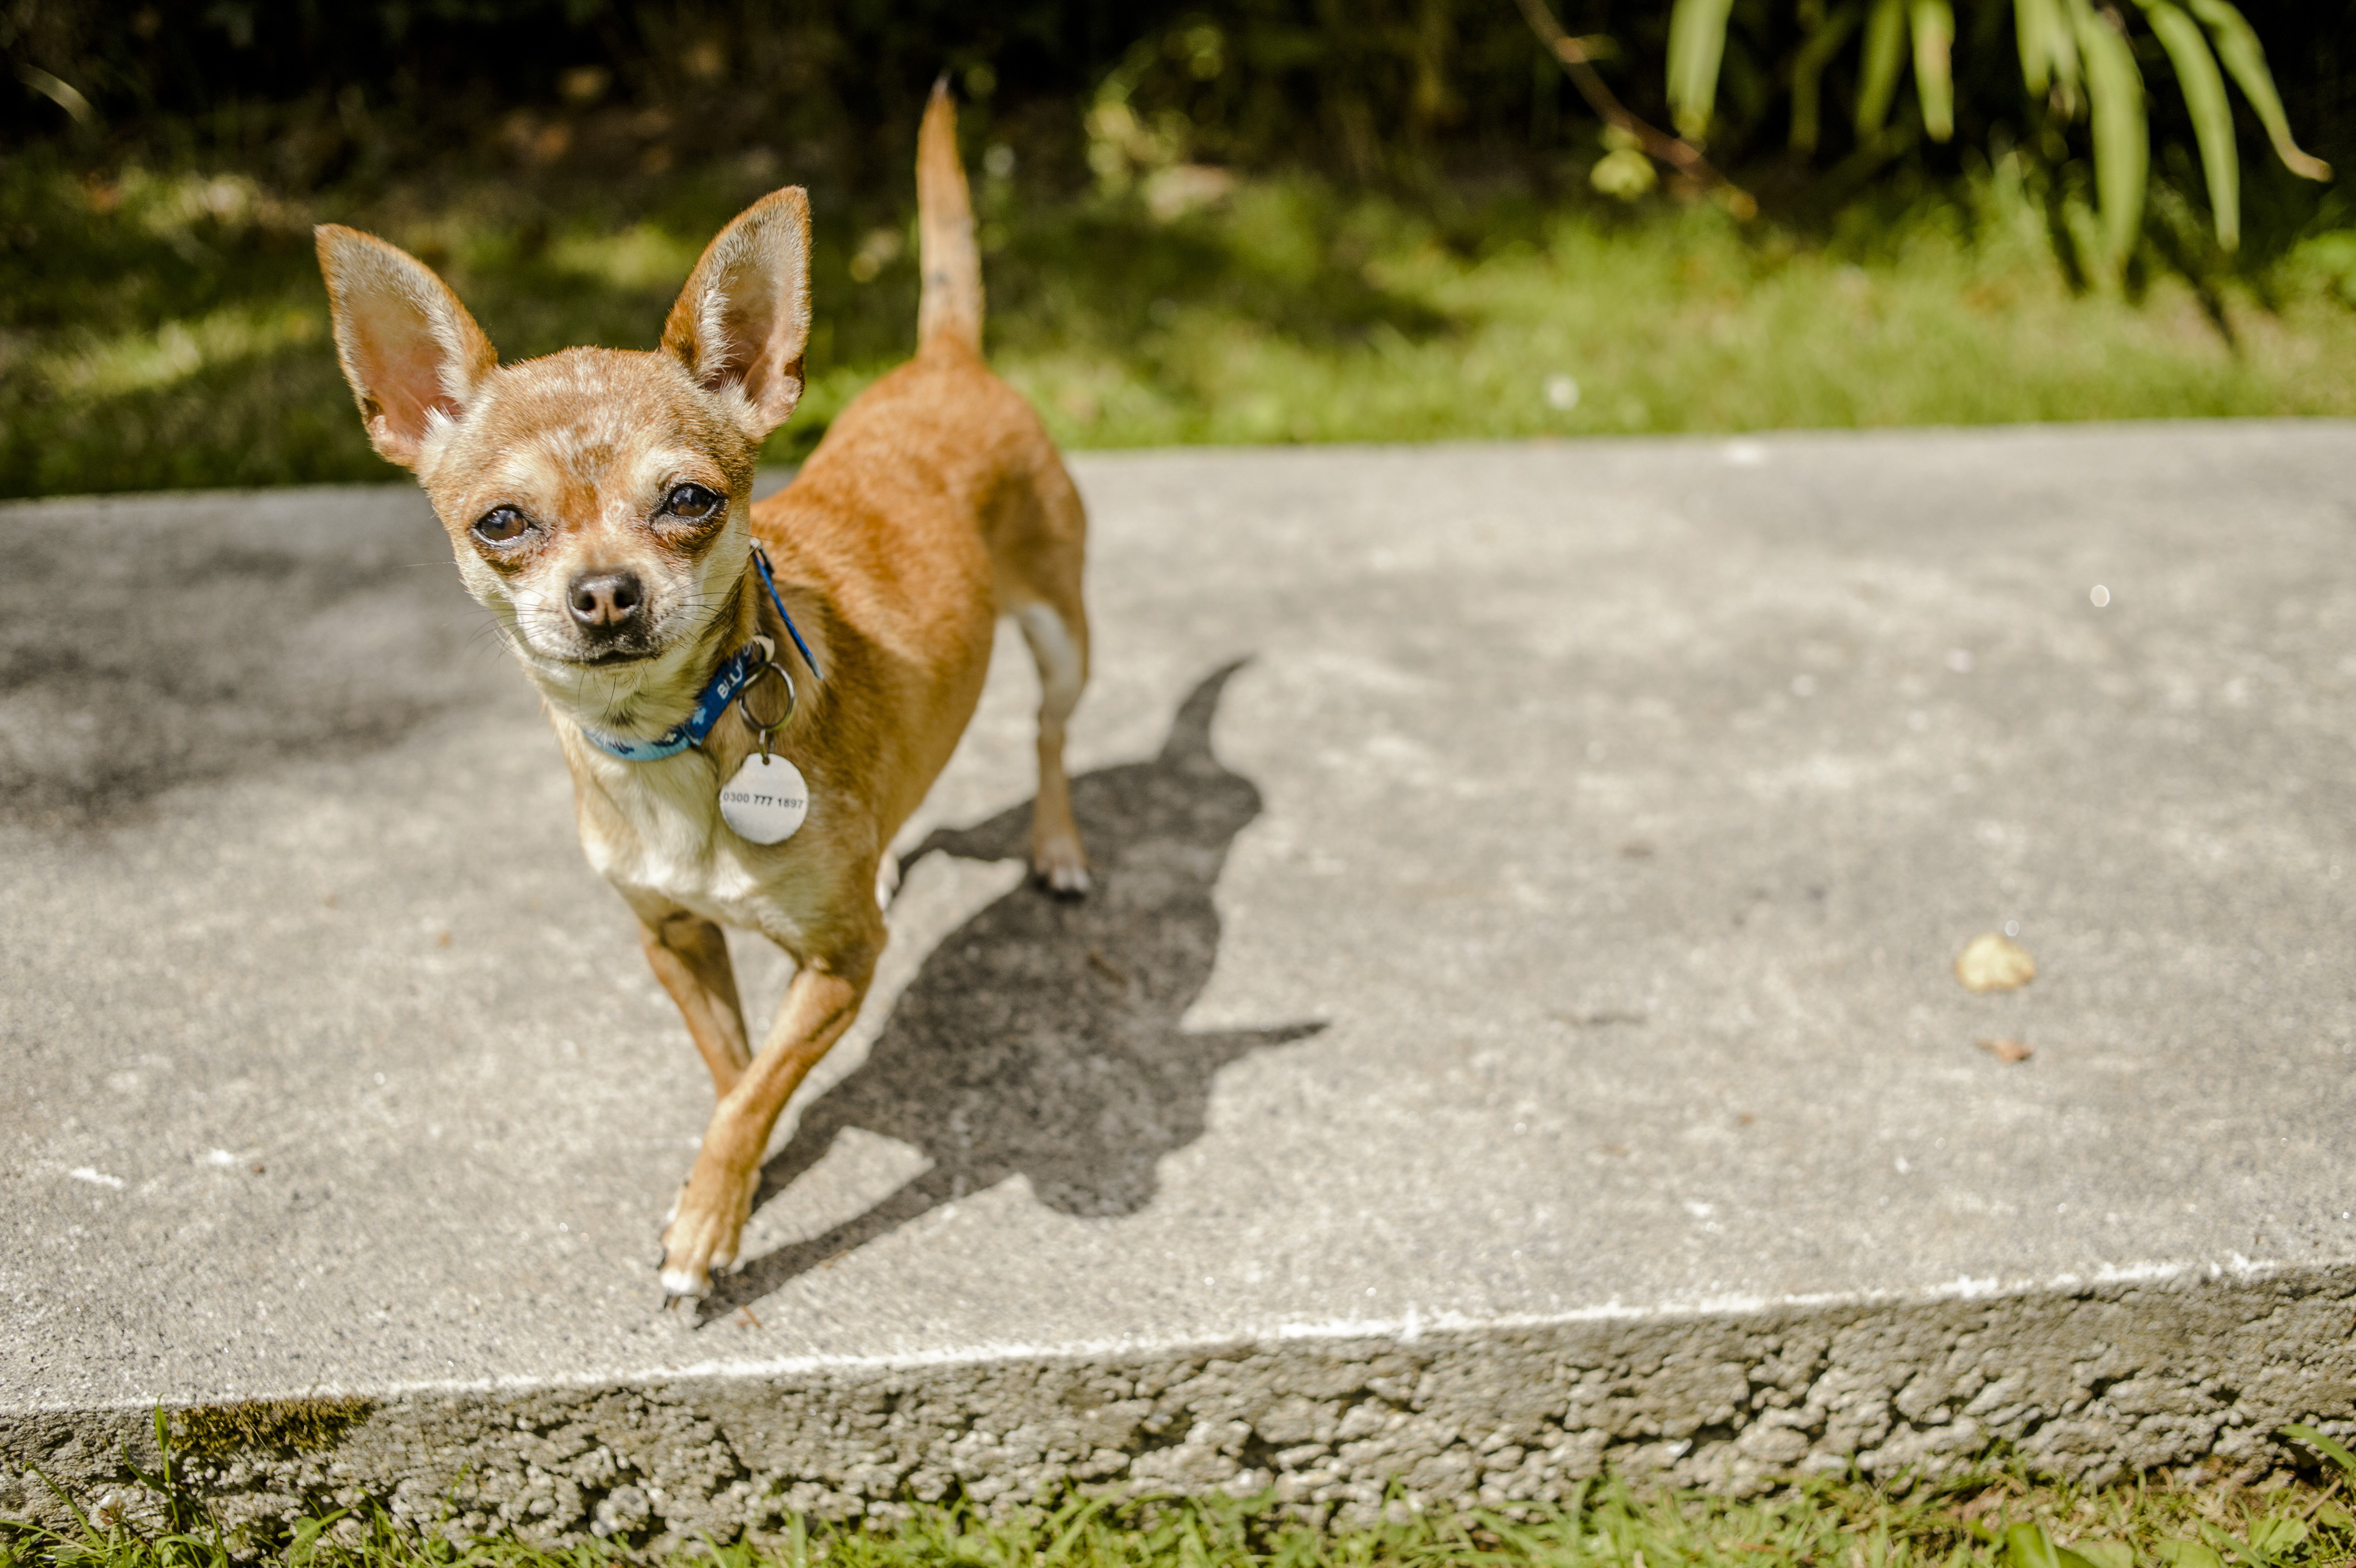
165	327
1981	1521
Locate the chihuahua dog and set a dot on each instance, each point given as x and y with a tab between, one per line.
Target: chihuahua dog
752	699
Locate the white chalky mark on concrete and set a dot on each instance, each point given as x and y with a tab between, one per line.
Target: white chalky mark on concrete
1744	454
2101	596
95	1178
220	1156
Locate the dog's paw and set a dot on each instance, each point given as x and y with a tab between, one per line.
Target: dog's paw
701	1236
1059	866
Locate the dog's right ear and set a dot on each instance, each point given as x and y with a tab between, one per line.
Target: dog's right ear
409	348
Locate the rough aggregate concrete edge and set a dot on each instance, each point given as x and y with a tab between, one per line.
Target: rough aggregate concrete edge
2087	1383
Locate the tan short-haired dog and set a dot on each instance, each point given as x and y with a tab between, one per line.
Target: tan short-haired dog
600	505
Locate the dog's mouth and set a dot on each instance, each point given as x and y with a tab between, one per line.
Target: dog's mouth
629	645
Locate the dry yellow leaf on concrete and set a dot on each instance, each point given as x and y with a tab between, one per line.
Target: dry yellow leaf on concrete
2009	1050
1992	963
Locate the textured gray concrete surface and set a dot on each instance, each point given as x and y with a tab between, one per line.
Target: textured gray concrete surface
1514	1035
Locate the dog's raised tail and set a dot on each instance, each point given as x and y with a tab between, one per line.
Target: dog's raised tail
951	300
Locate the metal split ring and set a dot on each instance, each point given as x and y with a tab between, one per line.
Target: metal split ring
762	726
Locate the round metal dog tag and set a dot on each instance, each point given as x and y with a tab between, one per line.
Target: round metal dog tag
766	800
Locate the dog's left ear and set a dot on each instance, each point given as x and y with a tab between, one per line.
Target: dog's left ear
743	320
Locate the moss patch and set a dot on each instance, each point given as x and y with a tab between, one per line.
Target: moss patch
283	1426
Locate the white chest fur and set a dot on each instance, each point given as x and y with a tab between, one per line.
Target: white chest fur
655	828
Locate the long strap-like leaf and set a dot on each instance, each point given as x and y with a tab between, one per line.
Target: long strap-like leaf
2324	1446
2049	53
2122	135
2213	117
2245	57
1935	80
1885	52
1808	73
1697	44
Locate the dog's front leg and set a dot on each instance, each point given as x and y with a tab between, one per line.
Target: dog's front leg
704	1229
690	955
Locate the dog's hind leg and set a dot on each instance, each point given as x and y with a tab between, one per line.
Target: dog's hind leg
1038	540
1059	644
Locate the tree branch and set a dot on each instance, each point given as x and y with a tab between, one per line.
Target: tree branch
1572	54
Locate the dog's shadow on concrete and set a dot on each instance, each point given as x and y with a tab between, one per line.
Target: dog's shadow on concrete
1042	1038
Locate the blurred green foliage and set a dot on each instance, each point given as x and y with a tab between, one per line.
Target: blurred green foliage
1390	90
2079	61
187	340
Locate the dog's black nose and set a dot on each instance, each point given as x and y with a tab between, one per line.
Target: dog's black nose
606	600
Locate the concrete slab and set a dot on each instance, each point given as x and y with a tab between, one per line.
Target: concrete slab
1515	1034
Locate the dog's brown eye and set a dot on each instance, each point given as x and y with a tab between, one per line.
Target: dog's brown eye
691	501
501	524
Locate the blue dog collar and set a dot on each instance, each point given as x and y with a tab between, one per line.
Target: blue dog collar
722	690
718	693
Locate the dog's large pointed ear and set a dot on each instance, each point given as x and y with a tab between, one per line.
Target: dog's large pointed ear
408	346
743	320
